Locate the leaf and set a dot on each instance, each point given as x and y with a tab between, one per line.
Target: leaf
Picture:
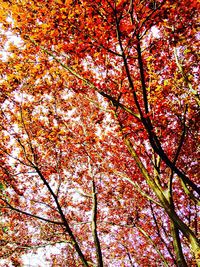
93	101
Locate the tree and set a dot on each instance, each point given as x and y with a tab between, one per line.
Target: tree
99	109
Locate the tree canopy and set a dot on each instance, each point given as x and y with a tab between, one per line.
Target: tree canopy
99	132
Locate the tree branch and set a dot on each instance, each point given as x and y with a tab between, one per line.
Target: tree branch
94	226
27	213
65	222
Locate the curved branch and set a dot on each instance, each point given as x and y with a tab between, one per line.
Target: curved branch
155	143
65	222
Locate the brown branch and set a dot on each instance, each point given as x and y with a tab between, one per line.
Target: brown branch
86	81
159	234
27	247
94	215
155	143
94	226
137	187
28	135
187	232
154	245
143	232
27	213
177	246
65	222
142	77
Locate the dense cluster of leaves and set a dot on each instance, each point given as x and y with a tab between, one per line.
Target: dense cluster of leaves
99	131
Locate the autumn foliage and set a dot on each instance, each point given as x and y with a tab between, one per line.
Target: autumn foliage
99	132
